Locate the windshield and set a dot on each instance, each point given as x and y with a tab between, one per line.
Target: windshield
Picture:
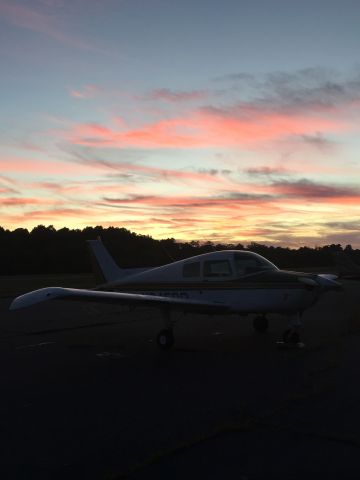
249	262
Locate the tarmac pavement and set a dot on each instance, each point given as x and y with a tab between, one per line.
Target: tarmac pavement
85	393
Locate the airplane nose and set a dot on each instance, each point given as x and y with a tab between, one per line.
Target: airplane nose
328	282
309	282
325	282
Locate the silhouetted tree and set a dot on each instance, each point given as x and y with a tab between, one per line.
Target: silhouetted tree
47	250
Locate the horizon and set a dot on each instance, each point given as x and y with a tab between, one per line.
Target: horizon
177	241
236	123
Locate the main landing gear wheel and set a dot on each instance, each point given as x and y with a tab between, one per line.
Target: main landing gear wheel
290	340
290	337
165	339
260	323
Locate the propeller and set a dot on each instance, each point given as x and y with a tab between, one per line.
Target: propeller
326	281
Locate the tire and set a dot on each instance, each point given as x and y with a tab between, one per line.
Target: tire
260	323
165	339
291	337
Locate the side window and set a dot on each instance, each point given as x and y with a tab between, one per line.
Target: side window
247	263
191	269
245	266
217	268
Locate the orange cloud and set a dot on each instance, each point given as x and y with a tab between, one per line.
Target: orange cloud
23	201
56	216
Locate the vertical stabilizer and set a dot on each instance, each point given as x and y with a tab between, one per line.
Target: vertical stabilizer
105	268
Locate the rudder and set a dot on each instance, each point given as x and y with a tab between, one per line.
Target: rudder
105	268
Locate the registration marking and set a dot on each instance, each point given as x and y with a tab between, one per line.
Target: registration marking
33	345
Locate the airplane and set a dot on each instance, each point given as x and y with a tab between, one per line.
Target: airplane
347	268
221	282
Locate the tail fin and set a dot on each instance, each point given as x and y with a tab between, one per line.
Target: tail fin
105	268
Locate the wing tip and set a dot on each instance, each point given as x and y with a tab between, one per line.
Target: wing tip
36	296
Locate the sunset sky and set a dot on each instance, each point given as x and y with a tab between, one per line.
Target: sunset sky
232	120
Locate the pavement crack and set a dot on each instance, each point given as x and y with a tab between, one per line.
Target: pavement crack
224	429
339	437
248	422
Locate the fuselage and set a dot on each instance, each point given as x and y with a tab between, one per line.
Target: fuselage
244	281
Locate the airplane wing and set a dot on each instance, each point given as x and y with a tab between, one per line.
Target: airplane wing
120	298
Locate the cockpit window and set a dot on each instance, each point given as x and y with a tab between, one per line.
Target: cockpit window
191	269
247	263
217	268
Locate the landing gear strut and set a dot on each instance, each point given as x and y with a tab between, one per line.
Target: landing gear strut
165	339
260	323
291	336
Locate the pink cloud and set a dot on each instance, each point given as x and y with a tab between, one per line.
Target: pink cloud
88	167
6	190
166	133
254	199
62	189
15	164
207	128
256	126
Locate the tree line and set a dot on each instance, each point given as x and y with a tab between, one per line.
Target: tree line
47	250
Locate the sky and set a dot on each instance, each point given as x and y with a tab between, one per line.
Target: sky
232	121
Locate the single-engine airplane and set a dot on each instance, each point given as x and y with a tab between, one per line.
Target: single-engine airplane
221	282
